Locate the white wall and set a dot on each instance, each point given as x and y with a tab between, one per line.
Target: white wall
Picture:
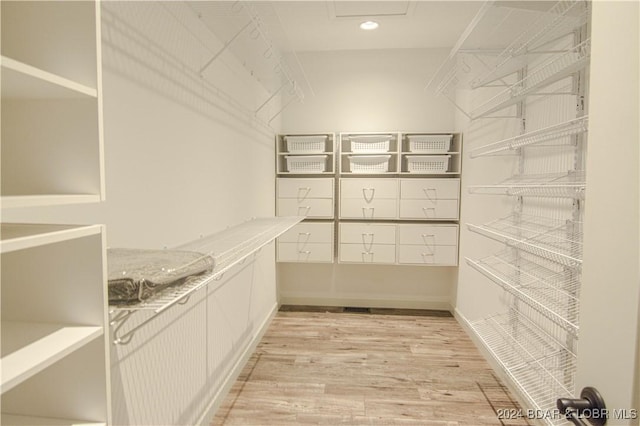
181	161
376	90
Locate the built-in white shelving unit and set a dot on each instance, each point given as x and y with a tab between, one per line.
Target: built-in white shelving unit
535	87
54	315
306	154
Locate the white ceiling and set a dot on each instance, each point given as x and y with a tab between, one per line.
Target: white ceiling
334	24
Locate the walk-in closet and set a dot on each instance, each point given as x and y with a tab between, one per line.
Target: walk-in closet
320	212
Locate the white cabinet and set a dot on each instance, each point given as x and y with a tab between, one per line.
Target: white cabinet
428	244
54	328
311	198
307	242
367	243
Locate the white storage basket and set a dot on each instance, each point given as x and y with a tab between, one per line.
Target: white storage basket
306	163
369	163
429	143
428	164
307	144
370	143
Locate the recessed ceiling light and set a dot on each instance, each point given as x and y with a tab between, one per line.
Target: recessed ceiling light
369	25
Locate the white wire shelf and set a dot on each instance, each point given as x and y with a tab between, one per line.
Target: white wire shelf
556	185
228	249
562	18
568	128
558	241
552	293
540	368
555	69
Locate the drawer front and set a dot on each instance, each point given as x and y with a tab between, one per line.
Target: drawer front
419	209
430	189
368	190
303	189
378	209
428	235
378	253
308	252
321	208
366	234
421	255
308	233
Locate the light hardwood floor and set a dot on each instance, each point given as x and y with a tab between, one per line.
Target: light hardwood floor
378	368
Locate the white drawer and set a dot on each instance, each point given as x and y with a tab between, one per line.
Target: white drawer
428	235
367	234
430	189
378	209
308	233
378	253
369	190
309	252
321	208
419	209
436	255
303	189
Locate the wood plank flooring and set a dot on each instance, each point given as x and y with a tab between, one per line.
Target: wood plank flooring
325	367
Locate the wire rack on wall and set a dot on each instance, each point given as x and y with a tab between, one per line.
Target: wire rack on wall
538	81
228	248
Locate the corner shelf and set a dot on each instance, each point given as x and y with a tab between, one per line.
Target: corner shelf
228	248
558	241
554	294
539	367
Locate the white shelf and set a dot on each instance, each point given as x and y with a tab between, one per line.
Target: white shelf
17	420
569	128
554	70
15	201
28	348
554	294
18	236
228	248
555	185
558	241
22	81
540	368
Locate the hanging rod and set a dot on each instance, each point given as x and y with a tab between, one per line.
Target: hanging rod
229	248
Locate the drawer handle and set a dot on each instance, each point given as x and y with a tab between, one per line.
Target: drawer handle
432	236
365	243
304	252
364	194
427	257
306	212
370	254
426	193
302	196
364	214
303	238
426	211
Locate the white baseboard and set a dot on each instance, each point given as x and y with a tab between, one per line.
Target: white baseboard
435	304
214	405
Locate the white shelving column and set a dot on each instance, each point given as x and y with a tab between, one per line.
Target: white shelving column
54	362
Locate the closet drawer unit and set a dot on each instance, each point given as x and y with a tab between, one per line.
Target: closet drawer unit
318	208
428	235
305	252
376	253
302	189
378	209
430	189
306	232
368	190
367	234
423	255
421	209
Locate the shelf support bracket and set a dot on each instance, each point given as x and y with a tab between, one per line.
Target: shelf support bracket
273	95
225	47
